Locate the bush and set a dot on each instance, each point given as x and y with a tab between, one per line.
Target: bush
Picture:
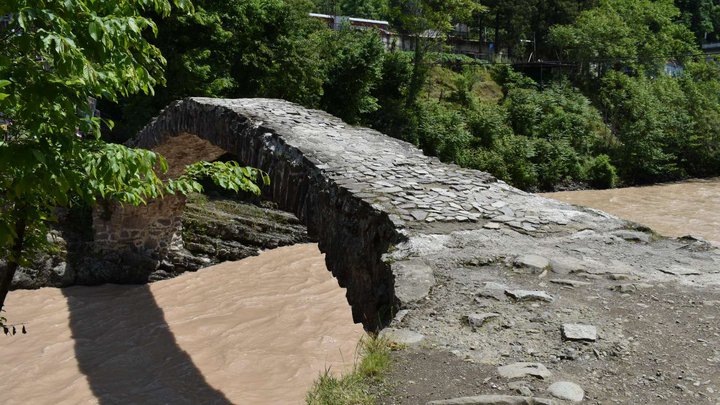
442	131
600	173
487	123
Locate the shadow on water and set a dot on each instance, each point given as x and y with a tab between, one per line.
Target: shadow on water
128	353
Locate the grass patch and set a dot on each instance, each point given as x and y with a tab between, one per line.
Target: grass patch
354	388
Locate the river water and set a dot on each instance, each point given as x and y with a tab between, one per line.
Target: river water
676	209
256	331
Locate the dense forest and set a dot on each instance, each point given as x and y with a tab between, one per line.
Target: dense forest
636	100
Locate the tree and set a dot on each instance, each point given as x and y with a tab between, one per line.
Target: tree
638	35
55	56
249	48
646	124
702	17
352	69
427	21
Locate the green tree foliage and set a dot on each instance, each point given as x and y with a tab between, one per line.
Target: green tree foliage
373	9
253	48
441	130
700	88
624	34
509	24
54	56
702	17
353	66
667	126
427	21
259	48
532	138
392	118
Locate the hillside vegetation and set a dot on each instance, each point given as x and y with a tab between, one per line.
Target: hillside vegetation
613	116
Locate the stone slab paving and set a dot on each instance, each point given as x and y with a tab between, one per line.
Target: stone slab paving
396	178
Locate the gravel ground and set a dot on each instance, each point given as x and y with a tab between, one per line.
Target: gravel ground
655	343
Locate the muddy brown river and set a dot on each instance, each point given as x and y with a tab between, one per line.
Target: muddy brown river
256	331
676	209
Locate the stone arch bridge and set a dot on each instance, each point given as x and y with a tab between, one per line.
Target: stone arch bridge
392	222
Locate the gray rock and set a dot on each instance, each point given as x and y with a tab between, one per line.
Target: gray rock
567	265
419	214
630	287
493	290
528	295
535	263
567	390
635	236
491	225
520	387
525	391
571	283
576	331
494	400
402	336
524	369
390	190
400	315
477	320
413	281
680	271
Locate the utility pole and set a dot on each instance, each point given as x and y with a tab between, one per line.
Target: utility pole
534	51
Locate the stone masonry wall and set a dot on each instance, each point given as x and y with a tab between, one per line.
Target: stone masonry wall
151	229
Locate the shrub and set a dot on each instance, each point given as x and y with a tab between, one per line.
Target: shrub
600	173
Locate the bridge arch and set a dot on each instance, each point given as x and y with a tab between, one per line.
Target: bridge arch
299	148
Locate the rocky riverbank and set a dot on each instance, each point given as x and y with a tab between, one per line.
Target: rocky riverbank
215	229
600	317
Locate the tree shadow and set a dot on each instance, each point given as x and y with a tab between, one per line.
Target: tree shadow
126	350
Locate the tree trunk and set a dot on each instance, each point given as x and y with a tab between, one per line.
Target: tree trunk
418	76
6	275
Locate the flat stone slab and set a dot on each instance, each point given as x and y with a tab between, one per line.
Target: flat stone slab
402	336
413	281
493	290
567	390
535	263
524	369
635	236
570	282
680	271
494	400
577	331
529	295
478	320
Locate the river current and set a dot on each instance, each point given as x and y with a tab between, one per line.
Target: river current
676	209
256	331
